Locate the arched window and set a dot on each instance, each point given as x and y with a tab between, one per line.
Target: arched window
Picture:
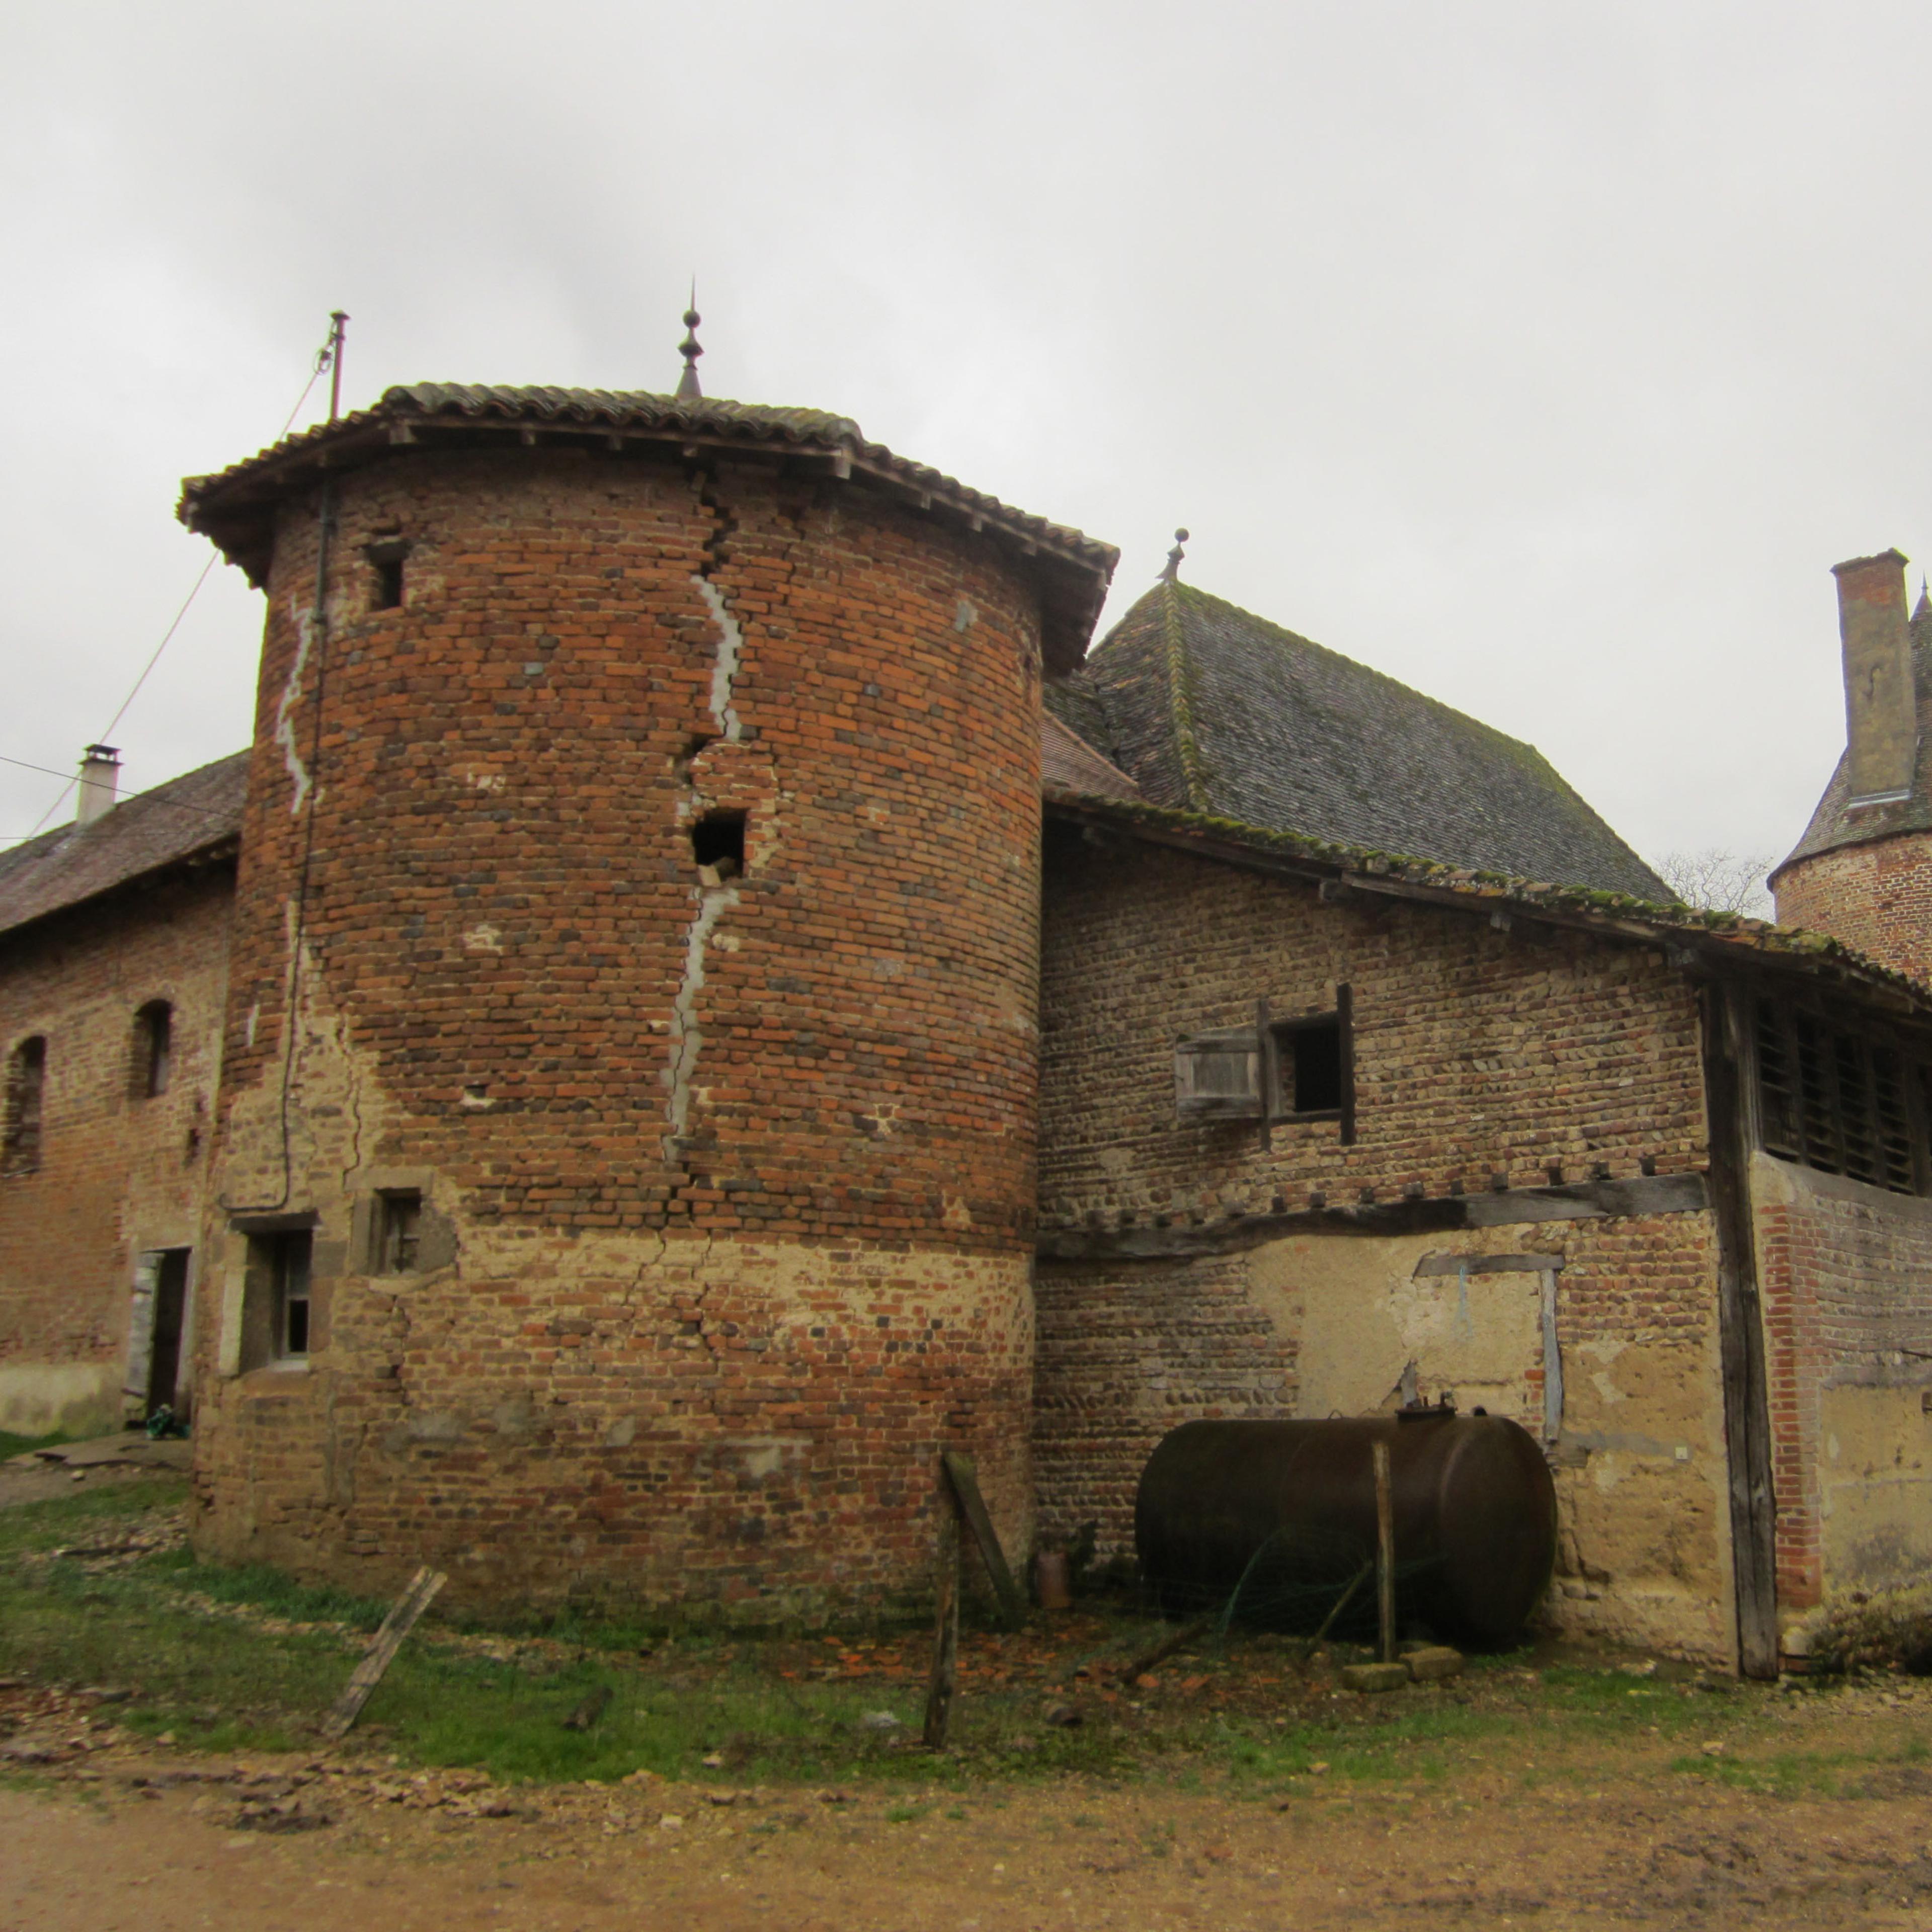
154	1048
26	1084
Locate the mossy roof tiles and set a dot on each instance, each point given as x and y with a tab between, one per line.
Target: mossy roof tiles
1211	708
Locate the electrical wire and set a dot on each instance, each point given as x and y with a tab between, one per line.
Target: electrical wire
323	357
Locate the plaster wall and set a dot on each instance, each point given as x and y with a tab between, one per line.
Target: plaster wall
1846	1281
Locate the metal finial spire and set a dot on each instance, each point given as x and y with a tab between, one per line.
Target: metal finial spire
690	349
1172	575
1924	600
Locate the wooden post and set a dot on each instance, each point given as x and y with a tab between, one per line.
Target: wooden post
1729	1099
1385	1551
945	1629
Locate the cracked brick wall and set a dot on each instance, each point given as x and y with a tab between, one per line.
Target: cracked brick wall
738	1171
120	1172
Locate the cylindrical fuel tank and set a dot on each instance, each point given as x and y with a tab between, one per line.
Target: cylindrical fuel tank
1285	1513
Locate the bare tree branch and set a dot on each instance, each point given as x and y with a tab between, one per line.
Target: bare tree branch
1719	881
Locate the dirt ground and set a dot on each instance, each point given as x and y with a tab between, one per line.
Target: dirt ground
113	1834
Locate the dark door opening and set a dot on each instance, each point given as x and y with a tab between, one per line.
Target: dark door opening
170	1312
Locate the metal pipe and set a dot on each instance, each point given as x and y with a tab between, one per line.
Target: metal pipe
338	322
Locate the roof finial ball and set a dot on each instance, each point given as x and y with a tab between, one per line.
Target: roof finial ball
690	349
1172	575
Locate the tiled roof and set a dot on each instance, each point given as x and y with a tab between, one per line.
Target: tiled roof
234	507
1068	763
192	817
1832	825
1721	937
1210	709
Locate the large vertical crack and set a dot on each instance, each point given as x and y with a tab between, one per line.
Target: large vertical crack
686	1040
724	666
285	727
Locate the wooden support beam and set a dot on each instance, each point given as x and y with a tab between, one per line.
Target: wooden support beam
417	1598
1573	1200
965	1483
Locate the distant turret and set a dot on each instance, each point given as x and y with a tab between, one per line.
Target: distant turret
1863	871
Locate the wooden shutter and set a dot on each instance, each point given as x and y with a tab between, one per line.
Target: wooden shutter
1218	1075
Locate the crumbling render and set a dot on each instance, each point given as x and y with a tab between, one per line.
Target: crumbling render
285	728
686	1039
724	667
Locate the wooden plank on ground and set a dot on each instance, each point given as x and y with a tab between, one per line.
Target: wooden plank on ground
959	1472
423	1587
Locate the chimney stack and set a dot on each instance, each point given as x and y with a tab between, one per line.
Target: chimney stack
100	768
1881	702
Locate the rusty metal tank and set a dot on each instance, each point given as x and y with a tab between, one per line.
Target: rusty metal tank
1281	1517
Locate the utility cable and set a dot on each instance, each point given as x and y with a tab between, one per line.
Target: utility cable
325	357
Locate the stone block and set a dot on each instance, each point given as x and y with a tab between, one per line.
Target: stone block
1430	1666
1370	1678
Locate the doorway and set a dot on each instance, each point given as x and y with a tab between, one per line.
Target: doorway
170	1313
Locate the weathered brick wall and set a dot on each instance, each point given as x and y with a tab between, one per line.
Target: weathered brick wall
1845	1276
612	1078
1876	897
119	1172
1478	1052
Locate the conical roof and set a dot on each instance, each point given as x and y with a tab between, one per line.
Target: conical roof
1209	708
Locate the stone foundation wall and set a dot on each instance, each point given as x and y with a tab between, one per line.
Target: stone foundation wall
721	1429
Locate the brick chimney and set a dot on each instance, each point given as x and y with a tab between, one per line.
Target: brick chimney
1881	703
100	770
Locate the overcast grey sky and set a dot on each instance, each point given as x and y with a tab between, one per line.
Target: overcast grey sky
1545	356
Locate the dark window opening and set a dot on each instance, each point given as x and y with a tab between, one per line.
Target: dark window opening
1838	1100
717	840
1308	1061
154	1048
1301	1070
398	1218
278	1323
386	574
26	1087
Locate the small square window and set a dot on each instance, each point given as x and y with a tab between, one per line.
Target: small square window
386	559
717	840
1308	1067
398	1220
154	1049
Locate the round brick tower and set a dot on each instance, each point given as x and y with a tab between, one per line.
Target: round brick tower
1863	871
624	1178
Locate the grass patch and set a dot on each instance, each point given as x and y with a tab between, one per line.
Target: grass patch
12	1445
